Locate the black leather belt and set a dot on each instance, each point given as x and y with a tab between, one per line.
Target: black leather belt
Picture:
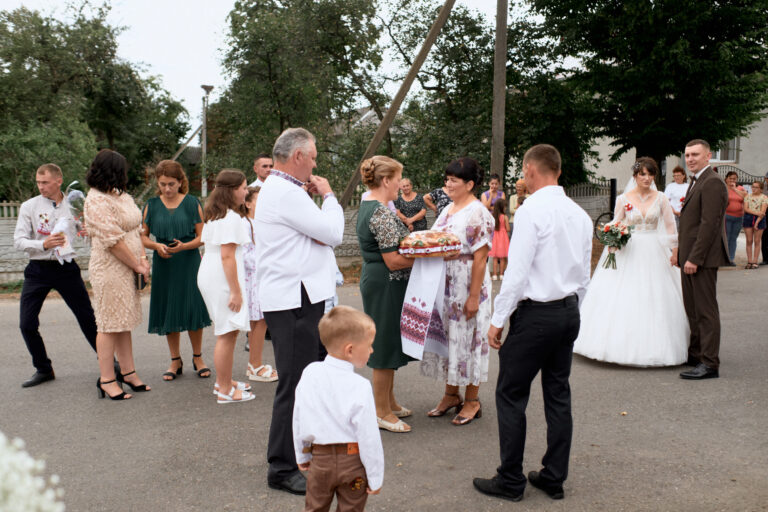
571	300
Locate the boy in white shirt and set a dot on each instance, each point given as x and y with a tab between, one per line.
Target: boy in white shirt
335	432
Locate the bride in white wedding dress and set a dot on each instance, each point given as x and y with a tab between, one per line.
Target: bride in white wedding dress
634	315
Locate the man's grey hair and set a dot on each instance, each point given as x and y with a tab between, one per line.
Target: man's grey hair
290	141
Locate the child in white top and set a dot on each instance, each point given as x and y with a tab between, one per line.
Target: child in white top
335	432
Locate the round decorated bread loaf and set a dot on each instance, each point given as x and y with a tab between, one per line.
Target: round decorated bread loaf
430	244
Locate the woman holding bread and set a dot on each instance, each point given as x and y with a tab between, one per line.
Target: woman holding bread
383	282
467	306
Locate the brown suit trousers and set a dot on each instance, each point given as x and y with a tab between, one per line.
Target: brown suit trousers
334	472
703	242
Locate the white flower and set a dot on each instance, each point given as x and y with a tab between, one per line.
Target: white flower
22	489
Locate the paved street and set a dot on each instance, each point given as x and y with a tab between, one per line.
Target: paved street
681	445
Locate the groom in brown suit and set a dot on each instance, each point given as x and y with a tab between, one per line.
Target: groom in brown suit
702	249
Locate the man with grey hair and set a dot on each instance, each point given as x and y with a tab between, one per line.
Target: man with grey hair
296	274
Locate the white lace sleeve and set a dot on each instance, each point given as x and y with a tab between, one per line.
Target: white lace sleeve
669	230
618	211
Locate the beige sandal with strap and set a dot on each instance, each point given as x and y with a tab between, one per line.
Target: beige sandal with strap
398	427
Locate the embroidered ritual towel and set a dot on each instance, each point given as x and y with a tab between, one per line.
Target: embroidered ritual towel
421	324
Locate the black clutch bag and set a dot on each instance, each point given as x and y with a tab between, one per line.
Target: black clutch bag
139	281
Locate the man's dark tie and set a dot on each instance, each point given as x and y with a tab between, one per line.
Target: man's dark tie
693	182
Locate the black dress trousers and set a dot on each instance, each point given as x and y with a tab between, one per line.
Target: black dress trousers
540	338
296	343
40	277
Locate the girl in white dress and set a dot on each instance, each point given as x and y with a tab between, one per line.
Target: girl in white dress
612	326
221	277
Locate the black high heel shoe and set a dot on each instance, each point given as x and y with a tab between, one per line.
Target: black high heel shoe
202	371
103	393
437	412
173	375
460	420
120	377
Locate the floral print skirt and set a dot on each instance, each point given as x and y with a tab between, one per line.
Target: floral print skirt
467	361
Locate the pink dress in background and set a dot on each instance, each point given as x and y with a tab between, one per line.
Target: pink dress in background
500	244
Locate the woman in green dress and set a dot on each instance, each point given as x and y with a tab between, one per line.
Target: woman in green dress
174	218
383	282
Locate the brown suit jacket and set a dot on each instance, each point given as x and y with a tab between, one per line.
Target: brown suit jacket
701	236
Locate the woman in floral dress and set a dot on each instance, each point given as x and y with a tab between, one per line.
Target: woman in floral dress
467	307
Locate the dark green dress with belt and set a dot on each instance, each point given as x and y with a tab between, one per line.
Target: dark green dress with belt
380	231
175	304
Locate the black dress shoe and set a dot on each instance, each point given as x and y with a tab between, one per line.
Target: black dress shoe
692	361
701	371
294	484
492	487
554	491
38	378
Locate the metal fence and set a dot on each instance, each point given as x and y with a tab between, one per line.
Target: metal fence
9	210
744	178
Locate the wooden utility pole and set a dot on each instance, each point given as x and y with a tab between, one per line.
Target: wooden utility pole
442	17
498	165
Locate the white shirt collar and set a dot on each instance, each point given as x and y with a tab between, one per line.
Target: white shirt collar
339	363
550	189
698	174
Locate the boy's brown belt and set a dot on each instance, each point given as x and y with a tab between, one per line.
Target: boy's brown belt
338	448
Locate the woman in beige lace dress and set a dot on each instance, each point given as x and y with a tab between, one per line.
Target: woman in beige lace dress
113	221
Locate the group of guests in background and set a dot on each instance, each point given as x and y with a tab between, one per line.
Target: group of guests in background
746	210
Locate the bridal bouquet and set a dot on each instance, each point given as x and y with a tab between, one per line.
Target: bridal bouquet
614	236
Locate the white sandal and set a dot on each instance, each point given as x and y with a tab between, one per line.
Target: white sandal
399	426
230	399
403	412
242	386
253	373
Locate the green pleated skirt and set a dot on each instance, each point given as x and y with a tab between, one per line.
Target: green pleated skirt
175	303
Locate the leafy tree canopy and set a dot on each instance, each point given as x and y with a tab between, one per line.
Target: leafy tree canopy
64	94
665	72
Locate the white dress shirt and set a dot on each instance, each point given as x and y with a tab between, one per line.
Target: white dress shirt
675	192
288	252
258	183
37	218
335	405
549	254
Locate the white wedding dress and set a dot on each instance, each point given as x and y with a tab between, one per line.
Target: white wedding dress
634	315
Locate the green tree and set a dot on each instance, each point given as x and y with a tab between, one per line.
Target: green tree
293	63
65	94
544	105
665	72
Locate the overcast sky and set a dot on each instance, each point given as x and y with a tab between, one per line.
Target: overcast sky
179	40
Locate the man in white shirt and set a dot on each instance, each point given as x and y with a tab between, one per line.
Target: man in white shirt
549	267
34	236
296	274
262	166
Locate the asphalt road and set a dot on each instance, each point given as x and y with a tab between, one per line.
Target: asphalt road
680	446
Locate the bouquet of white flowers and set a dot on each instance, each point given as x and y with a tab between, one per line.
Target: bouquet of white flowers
22	489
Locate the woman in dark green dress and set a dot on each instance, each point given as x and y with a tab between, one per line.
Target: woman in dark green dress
174	218
382	284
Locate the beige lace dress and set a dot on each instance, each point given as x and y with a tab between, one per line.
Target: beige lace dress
110	218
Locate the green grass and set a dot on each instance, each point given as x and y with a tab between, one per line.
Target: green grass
11	287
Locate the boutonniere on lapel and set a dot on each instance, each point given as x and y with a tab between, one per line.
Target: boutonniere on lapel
628	207
682	199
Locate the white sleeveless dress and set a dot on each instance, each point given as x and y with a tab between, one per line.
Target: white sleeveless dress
634	315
